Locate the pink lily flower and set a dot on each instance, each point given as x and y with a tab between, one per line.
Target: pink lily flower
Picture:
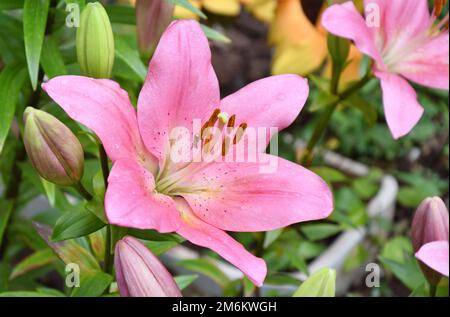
198	200
435	255
406	45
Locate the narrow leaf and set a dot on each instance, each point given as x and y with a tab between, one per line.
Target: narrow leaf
51	59
130	57
207	268
74	224
34	261
215	35
92	285
188	6
12	79
184	281
34	21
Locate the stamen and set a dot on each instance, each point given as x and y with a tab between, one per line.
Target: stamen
240	133
438	7
211	121
231	122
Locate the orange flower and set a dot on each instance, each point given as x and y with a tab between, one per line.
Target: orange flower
301	47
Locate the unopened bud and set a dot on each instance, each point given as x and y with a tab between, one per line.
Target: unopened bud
139	273
95	42
152	18
430	224
53	149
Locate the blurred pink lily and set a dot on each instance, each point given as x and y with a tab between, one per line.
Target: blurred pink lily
139	273
406	44
199	200
435	255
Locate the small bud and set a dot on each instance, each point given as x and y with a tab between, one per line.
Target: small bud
95	42
139	273
152	18
53	149
430	224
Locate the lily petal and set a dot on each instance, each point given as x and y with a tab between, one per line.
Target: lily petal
435	255
102	106
181	85
248	197
130	200
429	64
401	20
273	102
344	20
401	107
205	235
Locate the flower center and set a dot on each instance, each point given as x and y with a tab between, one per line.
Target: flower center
215	139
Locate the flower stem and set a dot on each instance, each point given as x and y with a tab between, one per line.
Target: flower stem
108	260
433	290
82	191
327	114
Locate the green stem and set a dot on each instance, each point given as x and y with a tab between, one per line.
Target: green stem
433	290
104	164
83	191
328	113
108	260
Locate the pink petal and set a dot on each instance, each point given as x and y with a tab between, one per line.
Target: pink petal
102	106
435	255
181	85
130	200
250	197
401	107
273	102
401	20
344	20
428	65
205	235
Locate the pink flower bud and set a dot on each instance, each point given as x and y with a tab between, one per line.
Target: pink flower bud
140	274
152	18
53	149
430	224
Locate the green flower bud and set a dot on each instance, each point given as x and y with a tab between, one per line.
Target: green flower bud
95	42
53	149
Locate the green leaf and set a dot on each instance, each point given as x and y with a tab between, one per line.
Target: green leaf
51	60
215	35
318	231
159	247
271	236
50	191
34	261
188	6
322	100
11	4
34	21
12	79
92	285
69	251
153	235
365	187
25	294
6	208
74	224
130	57
330	175
96	207
368	110
121	14
184	281
320	284
206	267
408	272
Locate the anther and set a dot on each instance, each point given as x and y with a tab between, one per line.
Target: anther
240	133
